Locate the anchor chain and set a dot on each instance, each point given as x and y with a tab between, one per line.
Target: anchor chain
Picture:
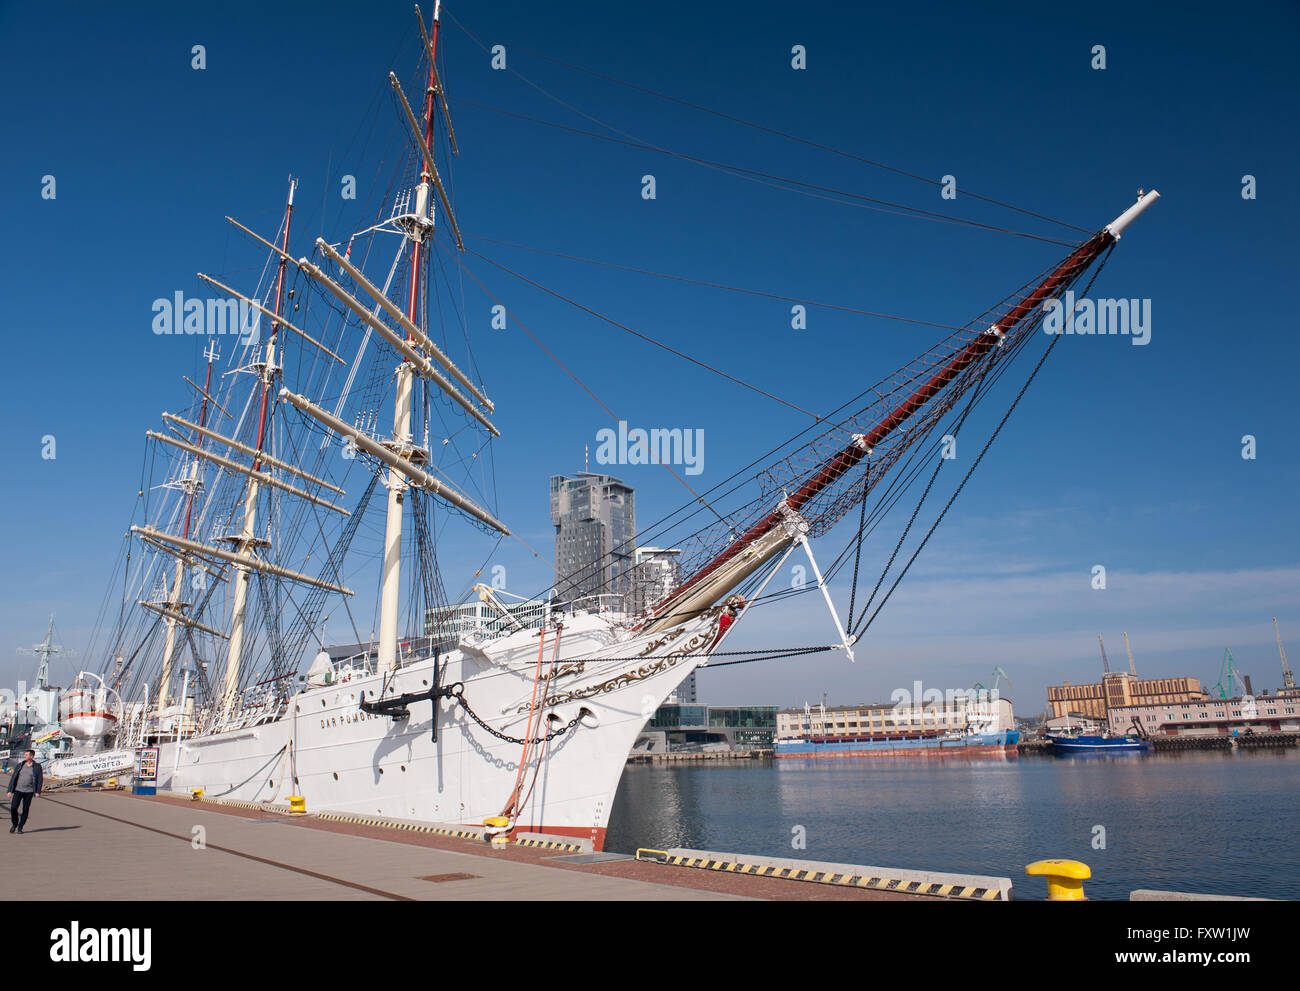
457	692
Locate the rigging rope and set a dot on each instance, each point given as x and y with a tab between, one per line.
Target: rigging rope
1056	338
714	285
645	337
810	189
551	354
630	140
772	130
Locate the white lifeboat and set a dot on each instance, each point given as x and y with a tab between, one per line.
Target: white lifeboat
85	710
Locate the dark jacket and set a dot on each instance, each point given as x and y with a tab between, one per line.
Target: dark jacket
36	769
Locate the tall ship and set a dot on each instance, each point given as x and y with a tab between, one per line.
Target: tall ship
333	457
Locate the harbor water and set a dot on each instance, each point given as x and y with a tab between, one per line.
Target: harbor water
1205	821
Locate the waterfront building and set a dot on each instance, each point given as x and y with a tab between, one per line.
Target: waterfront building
683	728
595	539
1119	689
685	693
884	718
1212	717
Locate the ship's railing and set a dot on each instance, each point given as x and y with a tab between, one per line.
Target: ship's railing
600	603
358	666
261	704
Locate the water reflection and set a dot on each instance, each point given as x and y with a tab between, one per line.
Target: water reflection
1215	822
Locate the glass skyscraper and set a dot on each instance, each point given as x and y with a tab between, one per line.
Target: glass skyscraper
595	540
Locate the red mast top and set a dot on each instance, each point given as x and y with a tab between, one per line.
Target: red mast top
426	177
275	325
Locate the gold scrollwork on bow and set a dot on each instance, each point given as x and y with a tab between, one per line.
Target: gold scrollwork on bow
701	639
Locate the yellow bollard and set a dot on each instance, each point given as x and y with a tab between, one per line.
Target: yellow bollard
297	805
498	831
196	794
1064	878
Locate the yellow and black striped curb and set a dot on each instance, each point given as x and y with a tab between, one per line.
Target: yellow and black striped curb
236	803
552	845
878	883
409	827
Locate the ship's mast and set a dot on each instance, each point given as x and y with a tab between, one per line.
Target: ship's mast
190	484
43	650
417	231
246	541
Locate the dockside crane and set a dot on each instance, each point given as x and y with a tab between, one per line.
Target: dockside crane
1132	669
1227	673
1287	679
1105	664
999	676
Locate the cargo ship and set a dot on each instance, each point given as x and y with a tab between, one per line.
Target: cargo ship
998	743
960	728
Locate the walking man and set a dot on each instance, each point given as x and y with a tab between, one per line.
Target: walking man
24	785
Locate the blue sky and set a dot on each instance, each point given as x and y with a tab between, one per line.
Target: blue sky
1124	456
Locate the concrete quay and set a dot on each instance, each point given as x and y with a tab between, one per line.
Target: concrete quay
111	845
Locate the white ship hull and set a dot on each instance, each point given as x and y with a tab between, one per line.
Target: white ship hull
342	759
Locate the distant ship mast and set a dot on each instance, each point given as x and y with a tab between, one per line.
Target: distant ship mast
247	539
44	650
173	612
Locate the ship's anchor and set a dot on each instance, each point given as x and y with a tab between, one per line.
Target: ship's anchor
395	707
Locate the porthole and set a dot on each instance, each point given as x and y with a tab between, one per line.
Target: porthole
381	770
336	775
403	767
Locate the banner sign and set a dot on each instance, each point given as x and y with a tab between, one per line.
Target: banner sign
93	765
